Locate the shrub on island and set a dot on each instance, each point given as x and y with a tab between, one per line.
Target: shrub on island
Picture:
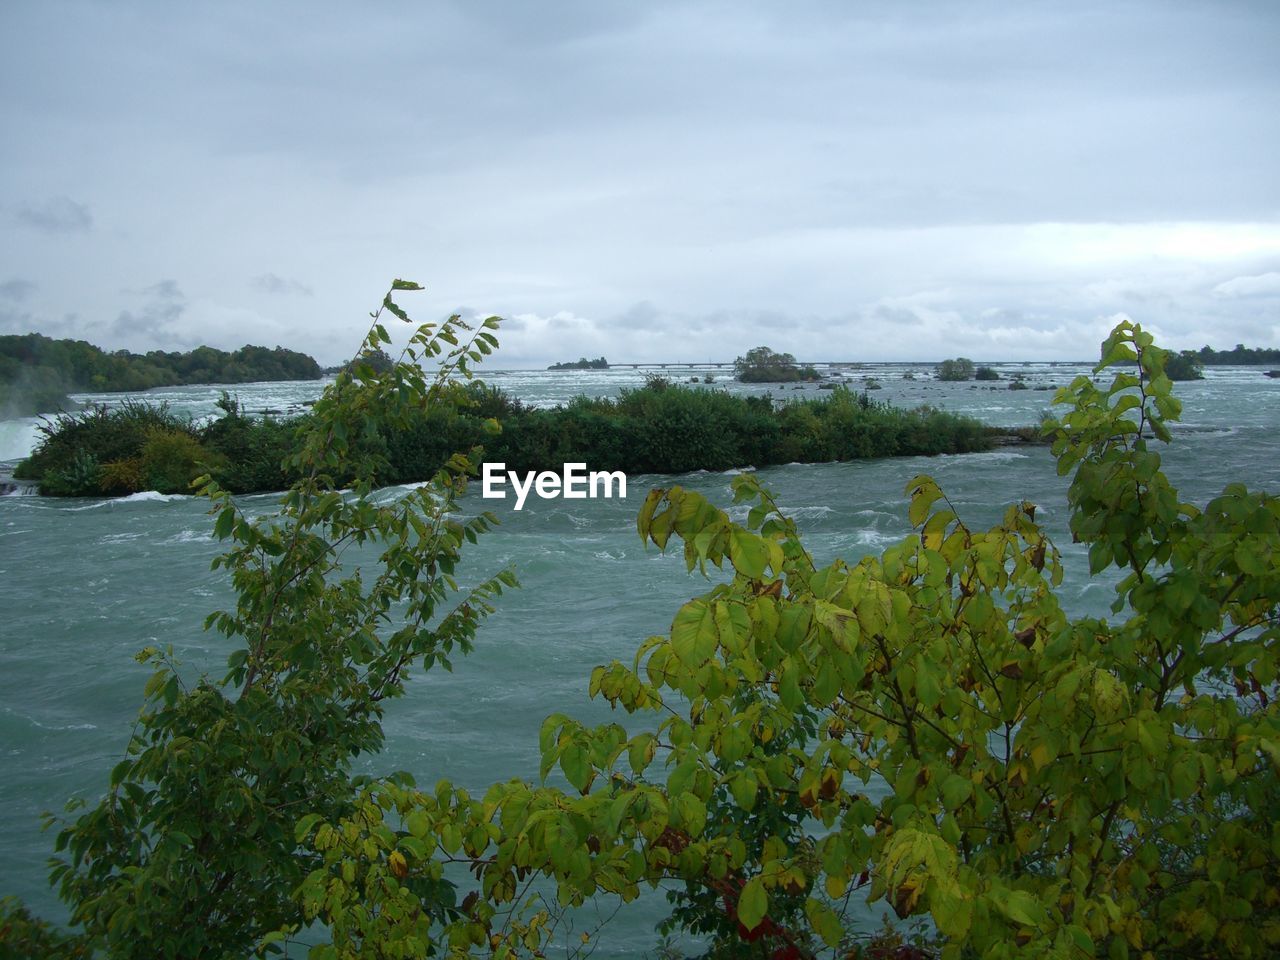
582	363
1186	365
762	365
955	370
659	428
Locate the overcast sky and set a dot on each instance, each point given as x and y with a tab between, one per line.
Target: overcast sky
666	181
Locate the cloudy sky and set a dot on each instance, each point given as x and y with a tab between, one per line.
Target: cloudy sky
667	181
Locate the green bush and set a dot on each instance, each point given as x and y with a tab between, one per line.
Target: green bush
171	459
251	451
71	446
660	428
960	368
24	936
1186	365
119	478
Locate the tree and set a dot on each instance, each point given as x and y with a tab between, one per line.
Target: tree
1058	787
986	373
192	852
1186	365
374	358
582	363
762	365
960	368
37	372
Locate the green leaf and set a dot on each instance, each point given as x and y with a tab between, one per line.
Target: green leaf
956	790
928	683
641	752
417	824
645	516
748	552
692	812
304	826
395	308
1021	907
824	922
745	787
753	903
924	492
694	633
120	771
576	764
226	519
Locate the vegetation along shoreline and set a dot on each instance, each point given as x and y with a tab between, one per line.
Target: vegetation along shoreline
661	428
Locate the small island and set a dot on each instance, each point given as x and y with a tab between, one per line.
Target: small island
661	427
955	370
762	365
582	363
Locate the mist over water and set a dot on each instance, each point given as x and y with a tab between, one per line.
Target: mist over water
86	583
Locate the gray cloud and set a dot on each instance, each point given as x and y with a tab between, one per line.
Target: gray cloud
156	321
1263	285
270	283
16	321
17	289
55	215
642	315
903	316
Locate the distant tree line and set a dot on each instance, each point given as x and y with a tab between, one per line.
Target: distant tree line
37	372
1239	354
582	363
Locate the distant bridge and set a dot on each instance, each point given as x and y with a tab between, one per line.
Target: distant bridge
830	364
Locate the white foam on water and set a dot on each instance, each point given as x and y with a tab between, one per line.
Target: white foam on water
190	536
49	726
120	537
876	513
147	496
870	538
808	512
995	455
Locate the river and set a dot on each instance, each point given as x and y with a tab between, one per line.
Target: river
86	583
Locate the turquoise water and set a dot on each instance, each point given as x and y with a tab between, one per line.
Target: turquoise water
86	583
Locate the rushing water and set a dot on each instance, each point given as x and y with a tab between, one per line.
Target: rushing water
86	583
